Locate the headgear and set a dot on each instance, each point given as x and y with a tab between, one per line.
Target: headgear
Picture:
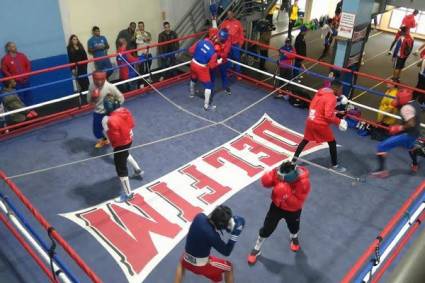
403	97
288	172
223	34
111	103
221	216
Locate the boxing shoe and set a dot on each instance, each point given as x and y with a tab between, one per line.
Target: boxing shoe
380	174
123	197
295	244
101	143
252	257
338	168
138	173
209	107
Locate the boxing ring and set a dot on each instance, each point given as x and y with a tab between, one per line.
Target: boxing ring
52	175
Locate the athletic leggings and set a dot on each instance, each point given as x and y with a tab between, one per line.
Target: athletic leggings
332	151
274	215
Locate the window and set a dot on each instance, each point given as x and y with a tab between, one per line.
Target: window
398	14
397	17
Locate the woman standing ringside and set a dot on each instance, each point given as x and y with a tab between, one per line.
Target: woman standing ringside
77	53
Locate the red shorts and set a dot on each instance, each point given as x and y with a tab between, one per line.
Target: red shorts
318	132
200	72
213	270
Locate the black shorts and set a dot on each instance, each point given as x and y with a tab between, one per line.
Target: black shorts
399	63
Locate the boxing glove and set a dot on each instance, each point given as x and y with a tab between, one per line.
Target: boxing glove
239	226
343	125
394	130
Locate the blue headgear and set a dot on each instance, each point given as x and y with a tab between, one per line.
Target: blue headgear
288	172
110	103
223	34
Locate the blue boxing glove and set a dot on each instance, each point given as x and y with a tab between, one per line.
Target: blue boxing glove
238	227
214	9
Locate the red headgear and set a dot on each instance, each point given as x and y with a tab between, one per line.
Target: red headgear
213	34
404	95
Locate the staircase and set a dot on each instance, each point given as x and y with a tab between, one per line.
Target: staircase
247	11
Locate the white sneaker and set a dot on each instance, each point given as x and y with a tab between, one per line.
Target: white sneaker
211	107
338	168
123	198
139	173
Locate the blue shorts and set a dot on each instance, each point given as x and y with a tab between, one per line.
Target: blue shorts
402	140
97	125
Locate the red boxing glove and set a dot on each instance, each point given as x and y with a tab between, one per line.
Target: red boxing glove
268	179
394	130
95	94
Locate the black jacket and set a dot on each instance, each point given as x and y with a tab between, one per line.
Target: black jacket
300	46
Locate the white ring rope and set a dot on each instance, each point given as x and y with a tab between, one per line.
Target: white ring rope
315	90
212	123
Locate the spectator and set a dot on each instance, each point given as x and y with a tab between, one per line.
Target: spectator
77	53
286	62
293	17
386	105
338	9
16	63
286	59
123	61
237	38
301	49
402	50
409	21
336	19
167	60
143	39
11	101
129	34
328	33
420	97
98	46
265	36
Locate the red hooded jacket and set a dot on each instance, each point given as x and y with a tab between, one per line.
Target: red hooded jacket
322	108
235	29
120	124
288	196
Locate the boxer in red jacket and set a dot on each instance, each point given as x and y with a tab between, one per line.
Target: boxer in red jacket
118	126
291	186
321	115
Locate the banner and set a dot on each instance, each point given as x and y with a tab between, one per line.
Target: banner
138	234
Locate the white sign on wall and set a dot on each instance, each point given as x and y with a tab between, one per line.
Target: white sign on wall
346	25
